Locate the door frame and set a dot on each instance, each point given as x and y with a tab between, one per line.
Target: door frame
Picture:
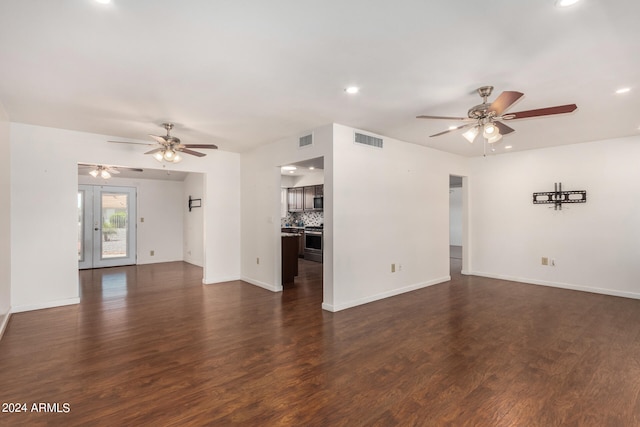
92	228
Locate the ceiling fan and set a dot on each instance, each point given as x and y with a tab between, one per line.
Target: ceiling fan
105	171
488	117
169	147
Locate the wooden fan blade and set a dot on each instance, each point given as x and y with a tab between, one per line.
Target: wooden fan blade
161	139
131	142
443	118
504	101
132	169
155	150
212	146
560	109
193	153
504	129
452	130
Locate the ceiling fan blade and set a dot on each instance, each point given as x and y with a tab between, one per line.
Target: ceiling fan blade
131	142
444	118
560	109
504	101
112	170
452	130
161	139
193	153
132	169
155	150
504	129
212	146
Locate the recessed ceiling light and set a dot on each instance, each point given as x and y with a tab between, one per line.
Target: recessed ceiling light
104	1
289	168
453	127
351	90
311	168
508	147
566	3
623	90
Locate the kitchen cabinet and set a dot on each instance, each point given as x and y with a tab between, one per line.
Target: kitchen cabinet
301	198
289	257
309	194
296	199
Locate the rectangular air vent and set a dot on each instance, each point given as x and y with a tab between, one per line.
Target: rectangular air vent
305	141
372	141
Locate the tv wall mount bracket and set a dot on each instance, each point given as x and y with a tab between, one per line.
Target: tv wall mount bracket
558	197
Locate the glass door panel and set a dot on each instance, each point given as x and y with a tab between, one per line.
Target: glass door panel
109	218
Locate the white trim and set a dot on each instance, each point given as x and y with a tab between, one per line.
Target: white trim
383	295
610	292
264	285
5	322
220	280
43	305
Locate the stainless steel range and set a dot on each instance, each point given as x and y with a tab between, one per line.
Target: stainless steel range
313	243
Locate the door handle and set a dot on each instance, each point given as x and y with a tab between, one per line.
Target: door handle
95	229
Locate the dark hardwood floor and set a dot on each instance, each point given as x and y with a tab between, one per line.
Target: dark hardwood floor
150	345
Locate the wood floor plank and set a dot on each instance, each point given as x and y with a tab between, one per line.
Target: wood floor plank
150	345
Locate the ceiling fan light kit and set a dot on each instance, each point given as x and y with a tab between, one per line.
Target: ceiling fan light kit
168	147
488	117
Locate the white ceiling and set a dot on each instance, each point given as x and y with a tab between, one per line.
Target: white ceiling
240	73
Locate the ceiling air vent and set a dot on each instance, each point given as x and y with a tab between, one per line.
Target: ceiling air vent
305	141
361	138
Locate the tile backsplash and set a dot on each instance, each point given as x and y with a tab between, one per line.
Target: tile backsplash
313	218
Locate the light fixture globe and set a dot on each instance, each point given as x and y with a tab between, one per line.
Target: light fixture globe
177	158
471	134
490	130
169	154
159	156
94	173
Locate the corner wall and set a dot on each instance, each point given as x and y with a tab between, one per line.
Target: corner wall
5	221
595	246
391	206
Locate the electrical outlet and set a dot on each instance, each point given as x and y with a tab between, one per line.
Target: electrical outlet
152	253
393	268
545	260
399	267
553	263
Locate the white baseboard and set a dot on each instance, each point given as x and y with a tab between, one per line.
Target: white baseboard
220	280
611	292
383	295
264	285
43	305
4	321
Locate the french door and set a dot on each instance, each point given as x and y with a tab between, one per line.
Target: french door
106	226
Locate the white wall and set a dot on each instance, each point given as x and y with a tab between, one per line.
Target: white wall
5	221
455	216
160	203
44	183
595	246
193	247
391	205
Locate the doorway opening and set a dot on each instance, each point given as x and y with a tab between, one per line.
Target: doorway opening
456	223
301	241
106	226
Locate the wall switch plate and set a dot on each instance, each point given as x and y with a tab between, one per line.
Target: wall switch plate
141	219
258	260
152	253
393	268
545	260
